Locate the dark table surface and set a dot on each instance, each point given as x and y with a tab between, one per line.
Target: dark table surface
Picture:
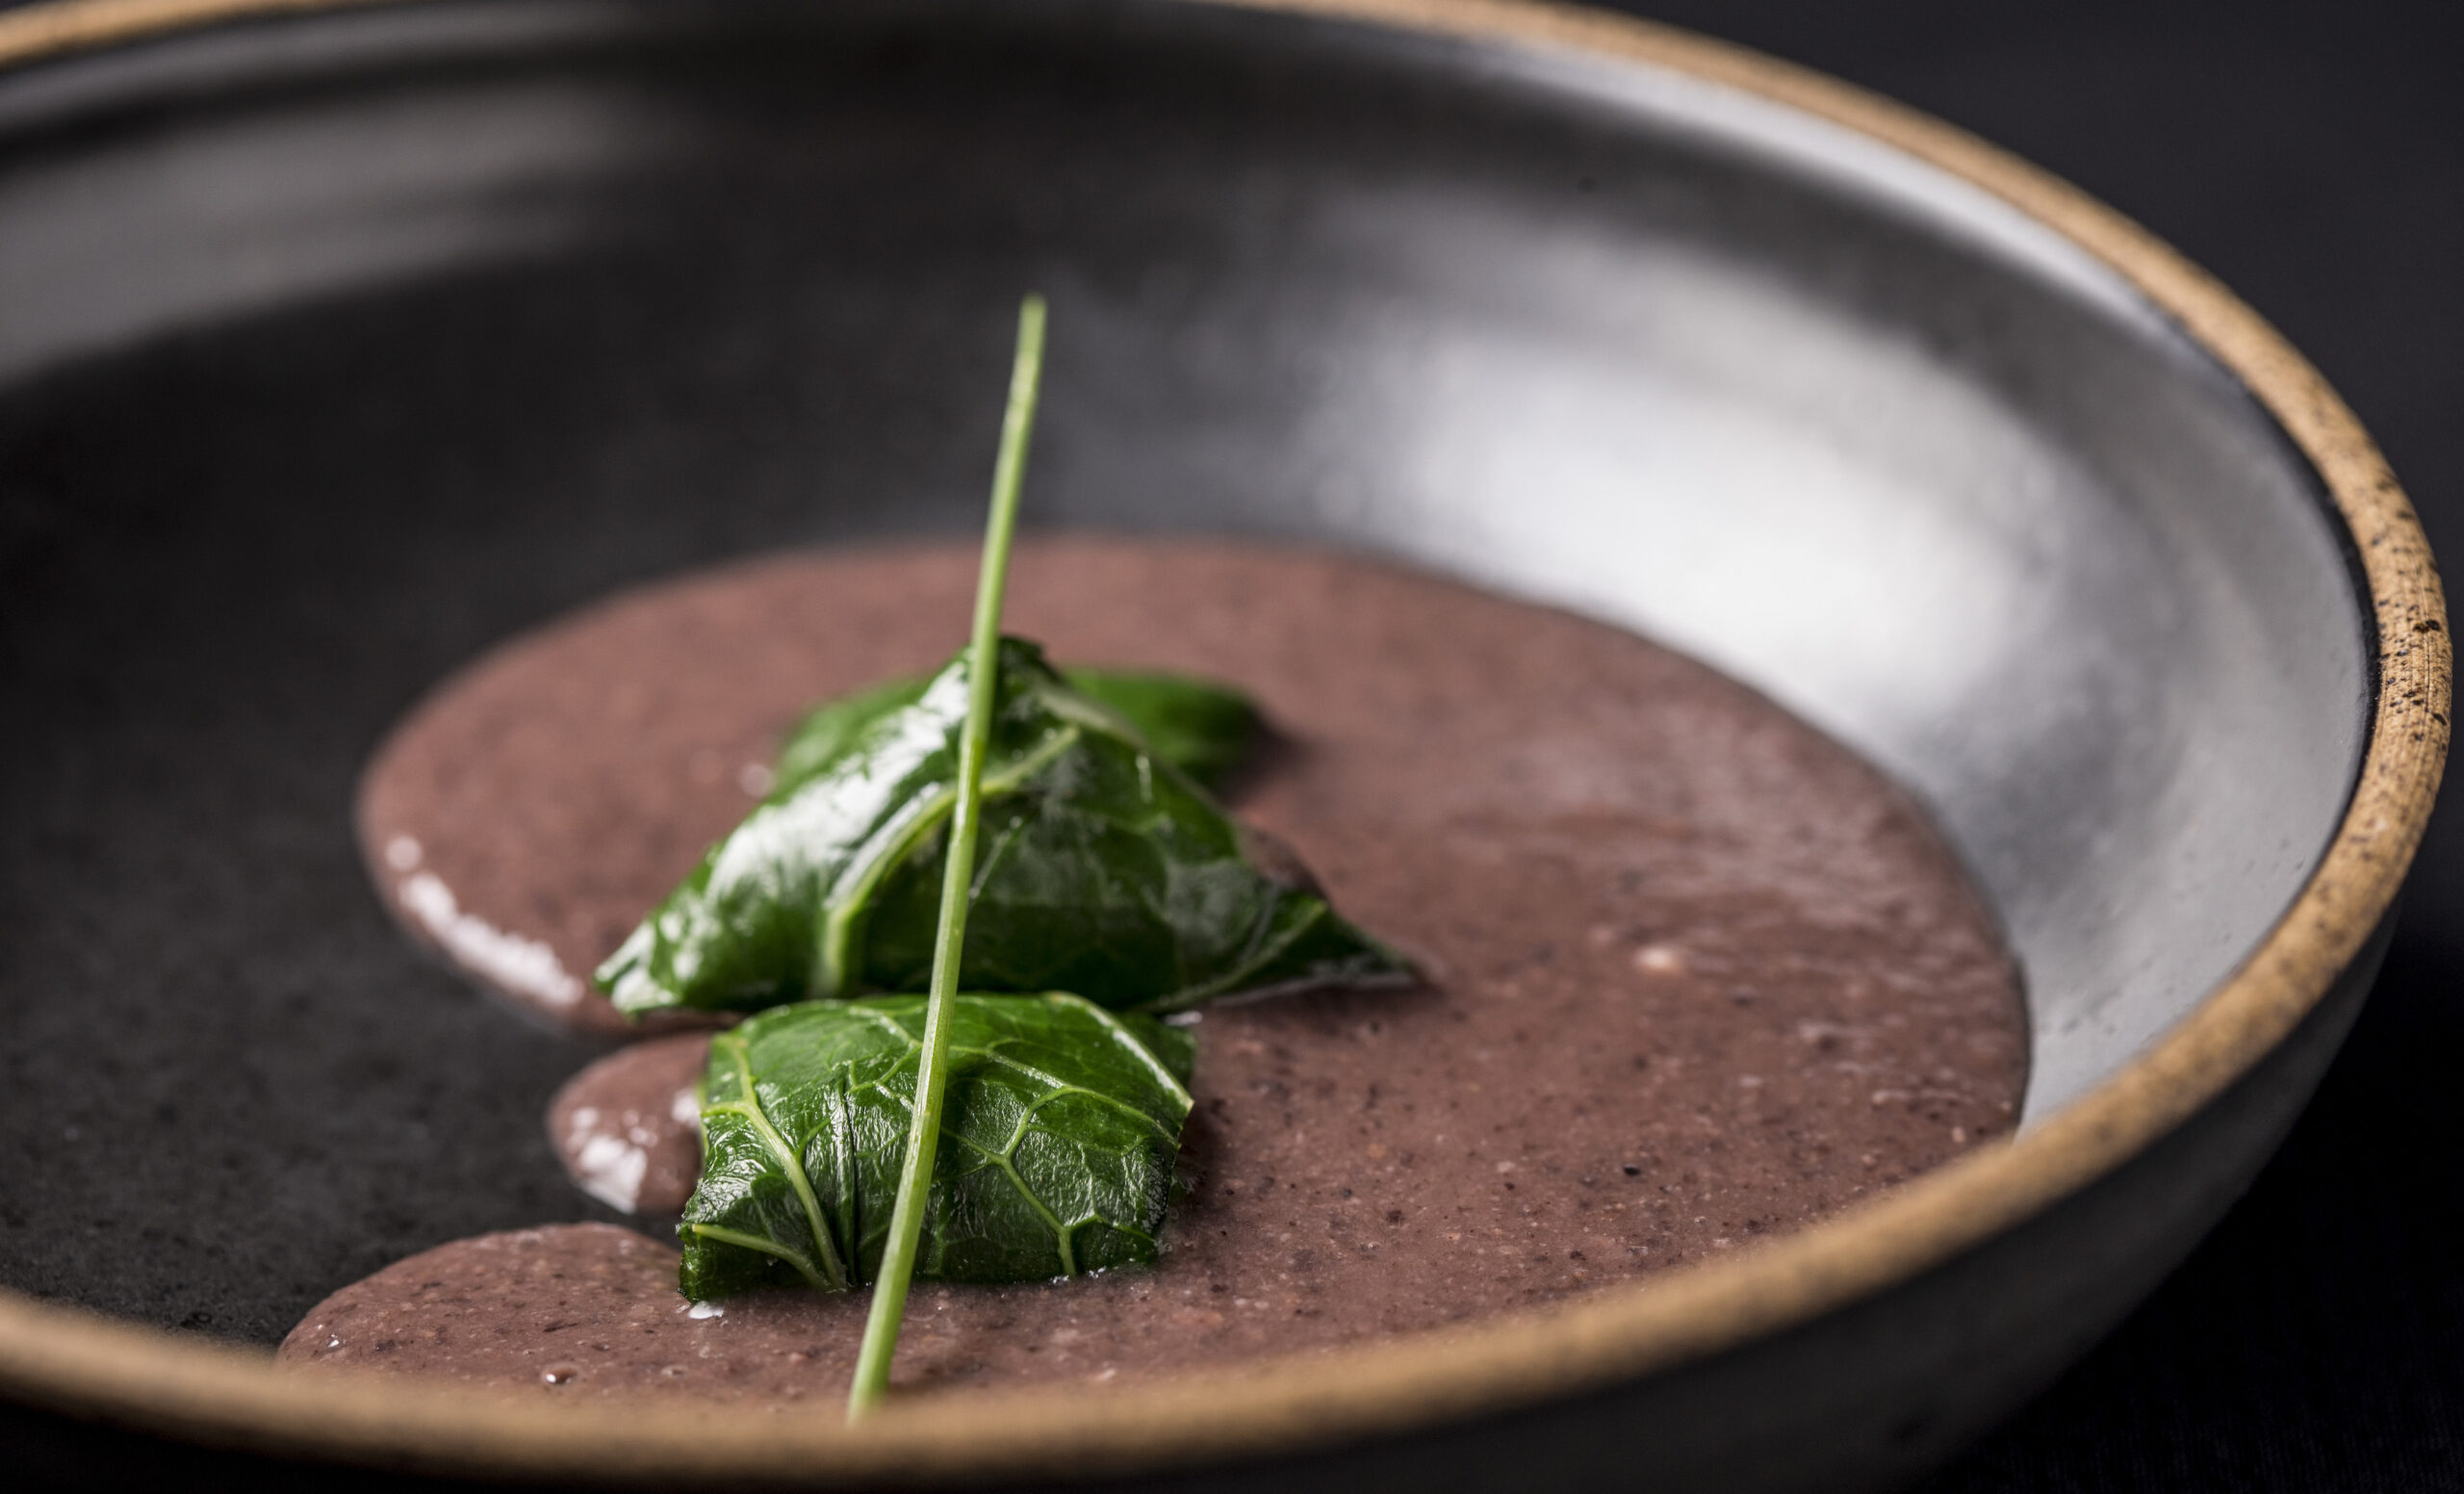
2313	156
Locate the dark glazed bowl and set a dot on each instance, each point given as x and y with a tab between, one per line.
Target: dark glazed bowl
338	342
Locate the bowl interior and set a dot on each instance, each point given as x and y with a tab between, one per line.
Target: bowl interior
336	347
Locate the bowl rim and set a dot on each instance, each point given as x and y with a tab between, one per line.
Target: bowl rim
87	1365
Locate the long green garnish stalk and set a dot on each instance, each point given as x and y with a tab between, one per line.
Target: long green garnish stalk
932	1079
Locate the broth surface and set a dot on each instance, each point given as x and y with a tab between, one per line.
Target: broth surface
1697	973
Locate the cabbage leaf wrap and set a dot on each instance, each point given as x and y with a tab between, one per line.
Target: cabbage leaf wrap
1204	728
1104	869
1058	1136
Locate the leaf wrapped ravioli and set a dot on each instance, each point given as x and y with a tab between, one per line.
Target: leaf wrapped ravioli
1103	870
1203	729
1057	1135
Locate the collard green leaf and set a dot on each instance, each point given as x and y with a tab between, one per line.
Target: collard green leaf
826	733
1203	729
1103	870
1058	1136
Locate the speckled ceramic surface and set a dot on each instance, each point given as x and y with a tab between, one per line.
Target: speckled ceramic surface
338	342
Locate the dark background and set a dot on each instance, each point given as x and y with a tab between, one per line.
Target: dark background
2313	158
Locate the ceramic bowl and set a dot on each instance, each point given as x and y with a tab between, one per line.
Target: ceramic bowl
339	341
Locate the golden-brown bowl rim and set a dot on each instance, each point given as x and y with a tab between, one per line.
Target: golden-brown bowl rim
87	1365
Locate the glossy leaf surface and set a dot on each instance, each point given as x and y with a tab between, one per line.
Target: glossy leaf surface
1058	1136
1103	870
1204	728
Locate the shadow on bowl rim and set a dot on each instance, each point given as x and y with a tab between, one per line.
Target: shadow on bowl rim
88	1365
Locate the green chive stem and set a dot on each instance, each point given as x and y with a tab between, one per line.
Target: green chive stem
933	1076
